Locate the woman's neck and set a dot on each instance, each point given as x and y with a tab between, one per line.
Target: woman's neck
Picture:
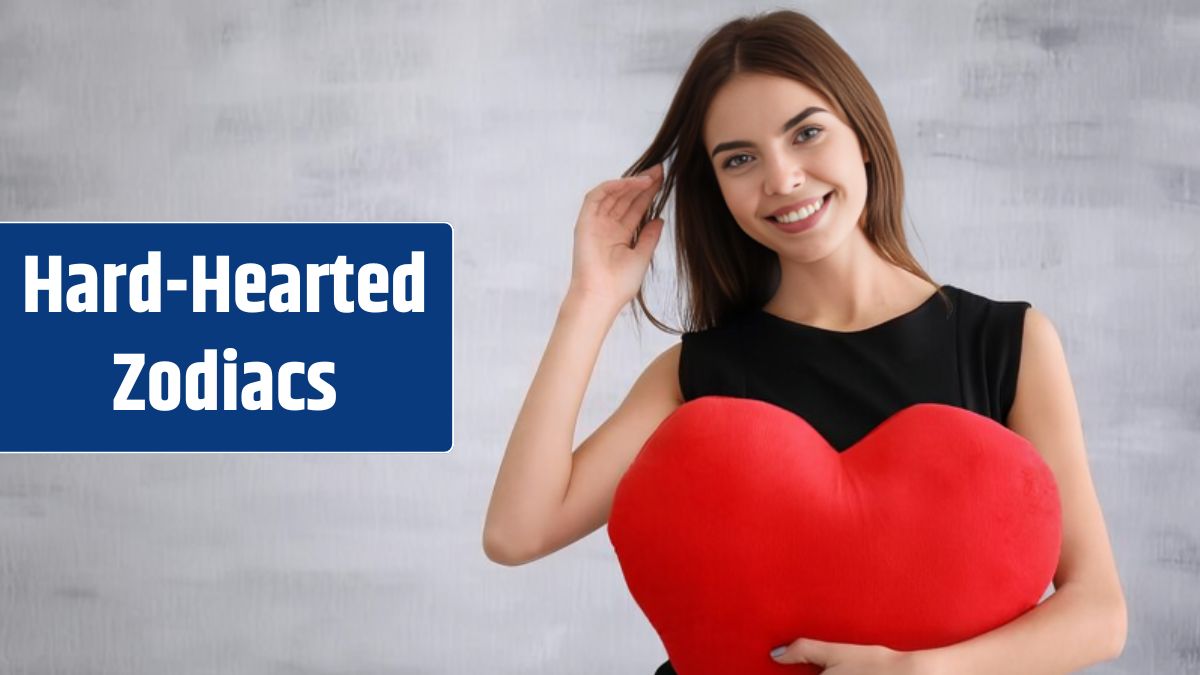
850	289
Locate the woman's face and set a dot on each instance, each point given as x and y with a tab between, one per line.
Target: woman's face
778	150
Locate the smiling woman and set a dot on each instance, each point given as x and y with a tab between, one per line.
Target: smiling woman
801	292
746	176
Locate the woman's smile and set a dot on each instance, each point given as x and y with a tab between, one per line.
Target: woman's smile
807	215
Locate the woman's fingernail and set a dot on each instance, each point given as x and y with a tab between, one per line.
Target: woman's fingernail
778	652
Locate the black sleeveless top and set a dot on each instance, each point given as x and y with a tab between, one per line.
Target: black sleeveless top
846	383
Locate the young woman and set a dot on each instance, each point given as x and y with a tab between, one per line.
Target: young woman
788	195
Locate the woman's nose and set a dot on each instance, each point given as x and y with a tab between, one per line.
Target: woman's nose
783	175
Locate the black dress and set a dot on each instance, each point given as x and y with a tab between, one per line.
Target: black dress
846	383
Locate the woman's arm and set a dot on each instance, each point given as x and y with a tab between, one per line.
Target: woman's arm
1084	622
532	480
545	497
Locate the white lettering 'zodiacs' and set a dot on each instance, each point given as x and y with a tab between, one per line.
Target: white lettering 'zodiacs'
204	386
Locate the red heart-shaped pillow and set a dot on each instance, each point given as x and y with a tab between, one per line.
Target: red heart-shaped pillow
739	528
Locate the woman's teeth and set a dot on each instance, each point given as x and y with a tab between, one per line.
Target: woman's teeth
801	214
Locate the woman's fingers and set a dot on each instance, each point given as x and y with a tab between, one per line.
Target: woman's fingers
598	193
607	196
618	199
602	197
622	206
636	207
621	201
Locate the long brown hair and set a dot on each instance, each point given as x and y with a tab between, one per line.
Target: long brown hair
728	272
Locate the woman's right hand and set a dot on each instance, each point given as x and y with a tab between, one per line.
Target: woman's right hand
604	264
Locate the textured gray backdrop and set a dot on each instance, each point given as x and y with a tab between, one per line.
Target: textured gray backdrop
1051	153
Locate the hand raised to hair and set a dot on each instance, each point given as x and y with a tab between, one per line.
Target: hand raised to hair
606	264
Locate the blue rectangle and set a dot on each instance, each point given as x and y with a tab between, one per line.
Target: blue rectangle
391	367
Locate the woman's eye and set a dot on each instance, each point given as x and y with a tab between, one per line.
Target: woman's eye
802	135
732	162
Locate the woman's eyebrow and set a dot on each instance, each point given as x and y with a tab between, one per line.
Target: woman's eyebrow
730	145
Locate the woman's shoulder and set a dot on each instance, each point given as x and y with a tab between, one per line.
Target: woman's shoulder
718	342
993	326
730	327
1011	321
991	334
975	305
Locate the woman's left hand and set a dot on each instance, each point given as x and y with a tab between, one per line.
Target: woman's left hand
851	659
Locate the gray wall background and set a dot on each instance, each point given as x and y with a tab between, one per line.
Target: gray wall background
1051	152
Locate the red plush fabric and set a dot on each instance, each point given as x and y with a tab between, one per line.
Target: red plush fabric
739	529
